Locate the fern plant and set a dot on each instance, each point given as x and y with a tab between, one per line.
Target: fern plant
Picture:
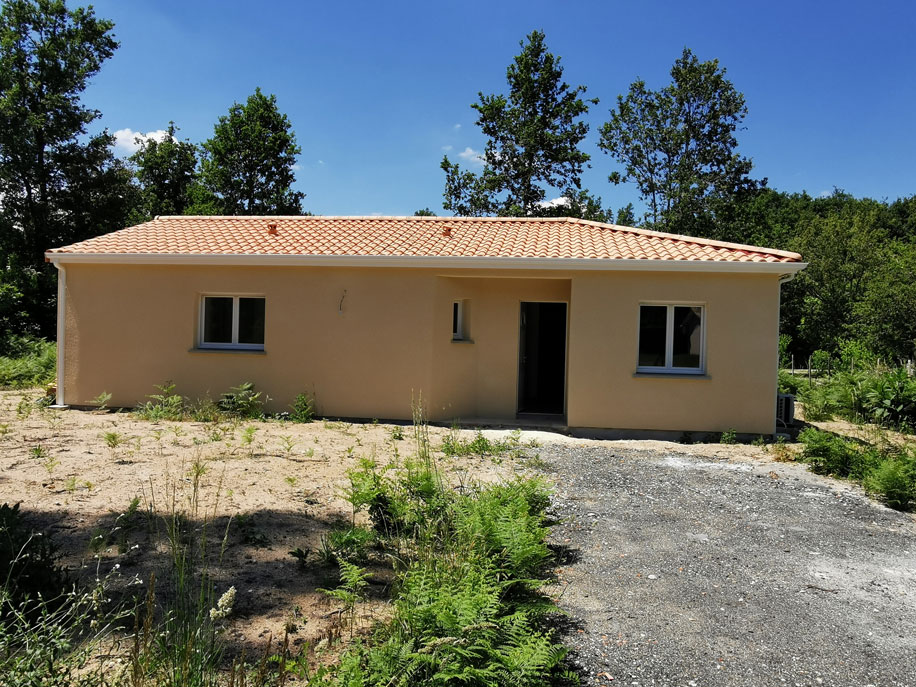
352	589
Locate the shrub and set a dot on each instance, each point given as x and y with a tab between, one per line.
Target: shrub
466	610
894	480
889	399
855	355
242	401
827	453
820	362
28	362
303	409
880	395
816	402
789	383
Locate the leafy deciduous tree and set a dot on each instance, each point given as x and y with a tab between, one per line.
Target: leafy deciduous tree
166	170
58	185
248	164
678	145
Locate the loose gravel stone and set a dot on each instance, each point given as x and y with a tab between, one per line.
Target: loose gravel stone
683	570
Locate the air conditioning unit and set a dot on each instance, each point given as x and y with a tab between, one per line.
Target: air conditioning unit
785	409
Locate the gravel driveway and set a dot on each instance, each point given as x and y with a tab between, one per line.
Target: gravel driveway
690	570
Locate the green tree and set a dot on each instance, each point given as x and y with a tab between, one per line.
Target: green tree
678	145
885	316
626	216
248	164
425	212
57	183
533	136
843	249
166	170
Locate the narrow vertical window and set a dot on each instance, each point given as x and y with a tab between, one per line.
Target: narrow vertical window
460	321
671	339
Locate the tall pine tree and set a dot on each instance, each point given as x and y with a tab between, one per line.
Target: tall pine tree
533	136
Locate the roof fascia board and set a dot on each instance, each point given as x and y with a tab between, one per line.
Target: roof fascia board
455	262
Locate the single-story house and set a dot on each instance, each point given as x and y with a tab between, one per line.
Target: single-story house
590	325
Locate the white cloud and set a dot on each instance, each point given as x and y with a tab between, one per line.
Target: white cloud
320	162
471	156
825	194
446	148
456	127
562	201
126	139
297	167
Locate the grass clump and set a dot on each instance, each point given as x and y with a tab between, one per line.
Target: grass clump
27	362
453	445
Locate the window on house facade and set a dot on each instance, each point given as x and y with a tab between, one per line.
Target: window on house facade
459	321
232	322
671	339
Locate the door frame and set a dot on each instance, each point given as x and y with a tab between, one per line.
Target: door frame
518	360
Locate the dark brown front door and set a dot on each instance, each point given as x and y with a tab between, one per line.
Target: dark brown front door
542	358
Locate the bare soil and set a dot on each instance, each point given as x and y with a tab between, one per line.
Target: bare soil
279	492
273	487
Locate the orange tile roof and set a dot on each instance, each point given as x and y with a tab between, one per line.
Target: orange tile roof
440	237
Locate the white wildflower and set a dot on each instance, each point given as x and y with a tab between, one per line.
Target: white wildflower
224	605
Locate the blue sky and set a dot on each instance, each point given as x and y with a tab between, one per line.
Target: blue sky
378	91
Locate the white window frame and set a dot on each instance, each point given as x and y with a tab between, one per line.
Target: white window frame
234	345
669	368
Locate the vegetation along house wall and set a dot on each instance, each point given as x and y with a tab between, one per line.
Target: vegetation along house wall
488	318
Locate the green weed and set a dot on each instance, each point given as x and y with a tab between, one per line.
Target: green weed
242	401
302	409
164	406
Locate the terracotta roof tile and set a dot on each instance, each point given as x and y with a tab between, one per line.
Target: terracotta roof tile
413	236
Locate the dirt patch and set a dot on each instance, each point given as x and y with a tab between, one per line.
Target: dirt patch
279	483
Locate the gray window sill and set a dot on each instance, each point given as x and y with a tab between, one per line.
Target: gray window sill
463	341
243	351
671	375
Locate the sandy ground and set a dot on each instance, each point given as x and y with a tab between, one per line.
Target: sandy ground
273	486
282	491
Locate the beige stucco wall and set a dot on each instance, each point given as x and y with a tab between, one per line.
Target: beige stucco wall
739	388
365	341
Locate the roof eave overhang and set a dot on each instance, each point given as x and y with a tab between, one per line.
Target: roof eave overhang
439	262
